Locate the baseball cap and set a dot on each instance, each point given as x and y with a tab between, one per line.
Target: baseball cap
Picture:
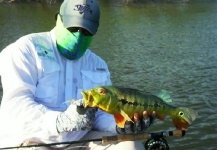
81	13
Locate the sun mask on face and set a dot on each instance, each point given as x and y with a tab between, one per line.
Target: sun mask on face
72	45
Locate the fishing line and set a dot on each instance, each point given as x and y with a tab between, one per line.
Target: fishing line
53	144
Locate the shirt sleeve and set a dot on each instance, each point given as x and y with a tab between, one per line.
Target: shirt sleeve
19	79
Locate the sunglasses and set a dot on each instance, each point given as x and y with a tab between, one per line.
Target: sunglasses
82	30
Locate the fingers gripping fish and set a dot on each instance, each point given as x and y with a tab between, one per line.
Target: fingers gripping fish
124	102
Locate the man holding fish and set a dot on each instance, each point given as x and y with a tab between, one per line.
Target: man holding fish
42	72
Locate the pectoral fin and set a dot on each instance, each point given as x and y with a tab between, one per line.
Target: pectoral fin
121	118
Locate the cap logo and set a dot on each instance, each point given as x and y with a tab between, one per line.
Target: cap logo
83	8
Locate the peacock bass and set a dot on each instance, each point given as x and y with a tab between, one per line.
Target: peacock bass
124	102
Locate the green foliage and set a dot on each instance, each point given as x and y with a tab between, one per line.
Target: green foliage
32	1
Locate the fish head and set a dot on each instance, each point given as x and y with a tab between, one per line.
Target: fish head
183	117
96	97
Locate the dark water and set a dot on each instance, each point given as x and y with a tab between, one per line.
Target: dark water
171	46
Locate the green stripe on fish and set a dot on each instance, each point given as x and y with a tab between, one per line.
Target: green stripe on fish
124	102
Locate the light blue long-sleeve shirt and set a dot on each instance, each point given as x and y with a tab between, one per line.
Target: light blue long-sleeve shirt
37	83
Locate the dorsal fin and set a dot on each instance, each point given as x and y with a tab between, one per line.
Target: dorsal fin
164	95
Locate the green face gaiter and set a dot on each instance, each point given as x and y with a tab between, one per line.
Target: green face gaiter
71	45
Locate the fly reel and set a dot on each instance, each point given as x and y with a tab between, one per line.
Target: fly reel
156	144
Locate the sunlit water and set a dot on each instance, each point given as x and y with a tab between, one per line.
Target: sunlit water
148	46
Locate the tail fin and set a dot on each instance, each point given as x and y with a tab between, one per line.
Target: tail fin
184	117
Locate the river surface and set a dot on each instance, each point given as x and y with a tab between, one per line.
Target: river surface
148	46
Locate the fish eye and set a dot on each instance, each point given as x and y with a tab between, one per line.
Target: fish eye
181	113
102	91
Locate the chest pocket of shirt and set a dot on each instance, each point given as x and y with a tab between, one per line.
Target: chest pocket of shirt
92	79
47	87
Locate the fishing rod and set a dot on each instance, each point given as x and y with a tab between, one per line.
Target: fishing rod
116	138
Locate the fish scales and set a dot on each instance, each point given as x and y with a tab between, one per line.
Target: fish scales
124	102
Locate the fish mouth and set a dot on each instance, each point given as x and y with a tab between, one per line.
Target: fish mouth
88	99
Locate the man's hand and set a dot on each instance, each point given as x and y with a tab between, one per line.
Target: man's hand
75	118
139	125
